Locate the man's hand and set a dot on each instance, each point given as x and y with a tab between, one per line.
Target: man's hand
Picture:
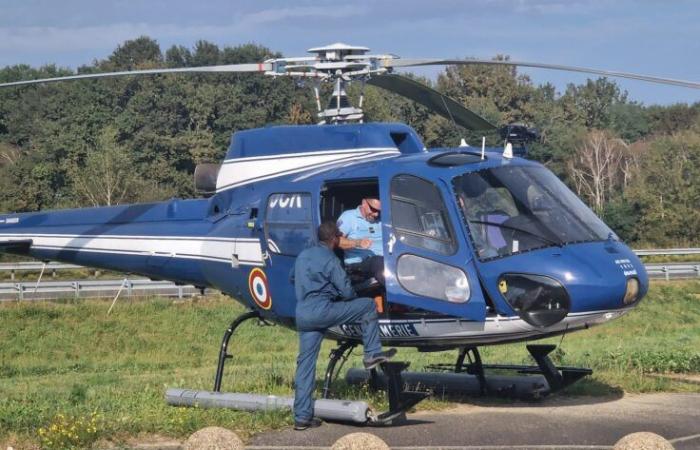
364	243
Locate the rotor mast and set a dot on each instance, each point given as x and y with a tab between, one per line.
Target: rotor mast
341	64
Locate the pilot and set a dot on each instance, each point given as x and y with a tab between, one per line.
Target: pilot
326	299
362	238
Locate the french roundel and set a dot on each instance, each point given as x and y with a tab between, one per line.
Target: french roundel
259	288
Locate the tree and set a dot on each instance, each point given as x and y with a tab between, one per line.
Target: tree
592	103
595	167
667	192
134	53
205	54
107	176
9	154
178	56
498	93
666	120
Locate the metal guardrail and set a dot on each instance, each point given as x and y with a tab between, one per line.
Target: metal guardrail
29	266
52	290
668	251
673	270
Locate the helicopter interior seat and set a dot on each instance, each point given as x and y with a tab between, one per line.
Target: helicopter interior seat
337	197
494	235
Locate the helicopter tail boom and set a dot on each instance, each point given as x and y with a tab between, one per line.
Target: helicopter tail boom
121	238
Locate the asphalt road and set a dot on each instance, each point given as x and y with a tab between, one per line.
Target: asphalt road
556	423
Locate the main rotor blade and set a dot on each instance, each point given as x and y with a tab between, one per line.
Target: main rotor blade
258	67
432	99
606	73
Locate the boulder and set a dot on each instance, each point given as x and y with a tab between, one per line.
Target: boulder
359	441
213	438
643	441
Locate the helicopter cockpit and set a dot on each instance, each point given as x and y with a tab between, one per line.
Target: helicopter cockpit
514	209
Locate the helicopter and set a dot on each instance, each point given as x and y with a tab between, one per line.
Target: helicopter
481	246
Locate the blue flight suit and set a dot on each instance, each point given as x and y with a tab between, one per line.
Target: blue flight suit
325	299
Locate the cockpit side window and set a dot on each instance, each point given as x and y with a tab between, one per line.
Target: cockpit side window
419	216
289	227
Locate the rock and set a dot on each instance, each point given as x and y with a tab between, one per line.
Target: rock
359	441
213	438
643	441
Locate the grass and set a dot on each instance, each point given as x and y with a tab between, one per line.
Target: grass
659	259
70	366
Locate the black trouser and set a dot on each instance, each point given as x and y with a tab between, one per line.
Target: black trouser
371	267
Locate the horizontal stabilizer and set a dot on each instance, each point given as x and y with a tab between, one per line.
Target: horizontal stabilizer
19	246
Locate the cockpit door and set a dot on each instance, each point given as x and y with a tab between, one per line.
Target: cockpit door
289	227
427	262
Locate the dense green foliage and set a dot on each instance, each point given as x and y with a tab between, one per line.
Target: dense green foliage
109	141
72	364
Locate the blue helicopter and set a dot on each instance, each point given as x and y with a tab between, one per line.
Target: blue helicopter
481	246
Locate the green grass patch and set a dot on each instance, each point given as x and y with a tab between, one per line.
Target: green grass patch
658	259
72	365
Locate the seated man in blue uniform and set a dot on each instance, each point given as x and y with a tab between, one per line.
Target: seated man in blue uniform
362	238
326	299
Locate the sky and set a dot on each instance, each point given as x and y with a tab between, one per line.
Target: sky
649	37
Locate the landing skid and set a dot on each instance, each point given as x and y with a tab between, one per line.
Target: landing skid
532	383
400	400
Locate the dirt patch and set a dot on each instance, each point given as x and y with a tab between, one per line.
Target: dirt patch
142	442
685	377
17	444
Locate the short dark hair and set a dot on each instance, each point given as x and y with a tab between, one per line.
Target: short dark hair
327	231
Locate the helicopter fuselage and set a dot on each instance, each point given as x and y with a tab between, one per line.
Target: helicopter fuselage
478	248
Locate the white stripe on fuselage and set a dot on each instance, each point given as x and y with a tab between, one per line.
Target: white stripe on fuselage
248	251
493	329
239	171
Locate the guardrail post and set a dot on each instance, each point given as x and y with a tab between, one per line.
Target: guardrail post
179	292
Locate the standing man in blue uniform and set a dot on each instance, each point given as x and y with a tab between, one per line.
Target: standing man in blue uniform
326	299
362	238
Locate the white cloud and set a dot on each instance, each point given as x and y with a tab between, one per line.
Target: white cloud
301	12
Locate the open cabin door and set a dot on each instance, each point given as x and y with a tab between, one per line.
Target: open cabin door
427	263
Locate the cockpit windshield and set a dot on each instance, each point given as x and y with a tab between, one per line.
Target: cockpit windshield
516	209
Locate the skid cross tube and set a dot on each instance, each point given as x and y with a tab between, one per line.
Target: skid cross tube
475	366
223	355
341	352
